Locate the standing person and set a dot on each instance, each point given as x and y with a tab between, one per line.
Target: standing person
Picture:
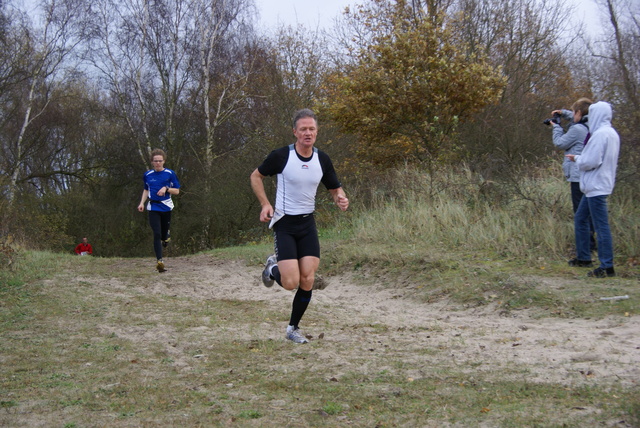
572	142
597	163
159	184
84	248
299	167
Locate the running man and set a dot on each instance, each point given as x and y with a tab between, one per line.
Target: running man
299	167
159	184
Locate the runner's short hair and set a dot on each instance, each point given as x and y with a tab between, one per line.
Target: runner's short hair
157	152
301	114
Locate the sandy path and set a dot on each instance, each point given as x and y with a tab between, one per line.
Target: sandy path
374	320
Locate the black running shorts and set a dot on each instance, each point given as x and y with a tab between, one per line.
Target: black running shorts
296	236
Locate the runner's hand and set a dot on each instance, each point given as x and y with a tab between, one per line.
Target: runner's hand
342	202
266	213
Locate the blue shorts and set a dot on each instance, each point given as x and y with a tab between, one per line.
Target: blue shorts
296	236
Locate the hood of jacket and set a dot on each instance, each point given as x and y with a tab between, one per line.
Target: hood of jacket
600	115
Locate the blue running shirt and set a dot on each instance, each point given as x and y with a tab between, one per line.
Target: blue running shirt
154	181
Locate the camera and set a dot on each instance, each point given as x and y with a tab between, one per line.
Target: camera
555	119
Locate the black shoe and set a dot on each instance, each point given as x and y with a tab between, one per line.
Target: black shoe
602	272
580	263
166	240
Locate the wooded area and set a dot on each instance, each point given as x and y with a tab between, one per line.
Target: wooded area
87	89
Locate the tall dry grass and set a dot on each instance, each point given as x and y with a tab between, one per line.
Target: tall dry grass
459	210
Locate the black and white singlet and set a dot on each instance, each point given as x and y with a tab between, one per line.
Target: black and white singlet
298	178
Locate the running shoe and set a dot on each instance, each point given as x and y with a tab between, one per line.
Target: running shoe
267	280
165	242
160	266
295	335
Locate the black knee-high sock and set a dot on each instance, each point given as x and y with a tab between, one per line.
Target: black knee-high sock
275	273
300	303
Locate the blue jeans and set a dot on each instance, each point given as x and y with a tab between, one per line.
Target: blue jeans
596	208
576	197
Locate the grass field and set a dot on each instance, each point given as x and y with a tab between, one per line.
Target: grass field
449	305
91	342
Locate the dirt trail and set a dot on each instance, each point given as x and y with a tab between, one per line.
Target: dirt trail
370	319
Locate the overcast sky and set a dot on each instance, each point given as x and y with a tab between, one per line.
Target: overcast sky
310	13
313	13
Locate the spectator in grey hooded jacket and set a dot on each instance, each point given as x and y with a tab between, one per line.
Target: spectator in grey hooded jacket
597	163
572	143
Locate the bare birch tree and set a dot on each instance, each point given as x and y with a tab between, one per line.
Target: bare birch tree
49	48
222	79
617	50
140	49
613	64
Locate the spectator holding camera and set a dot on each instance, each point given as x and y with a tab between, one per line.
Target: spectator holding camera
572	142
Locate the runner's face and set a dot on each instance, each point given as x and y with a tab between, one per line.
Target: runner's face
306	132
158	163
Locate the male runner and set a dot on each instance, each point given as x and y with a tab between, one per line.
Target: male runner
299	167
